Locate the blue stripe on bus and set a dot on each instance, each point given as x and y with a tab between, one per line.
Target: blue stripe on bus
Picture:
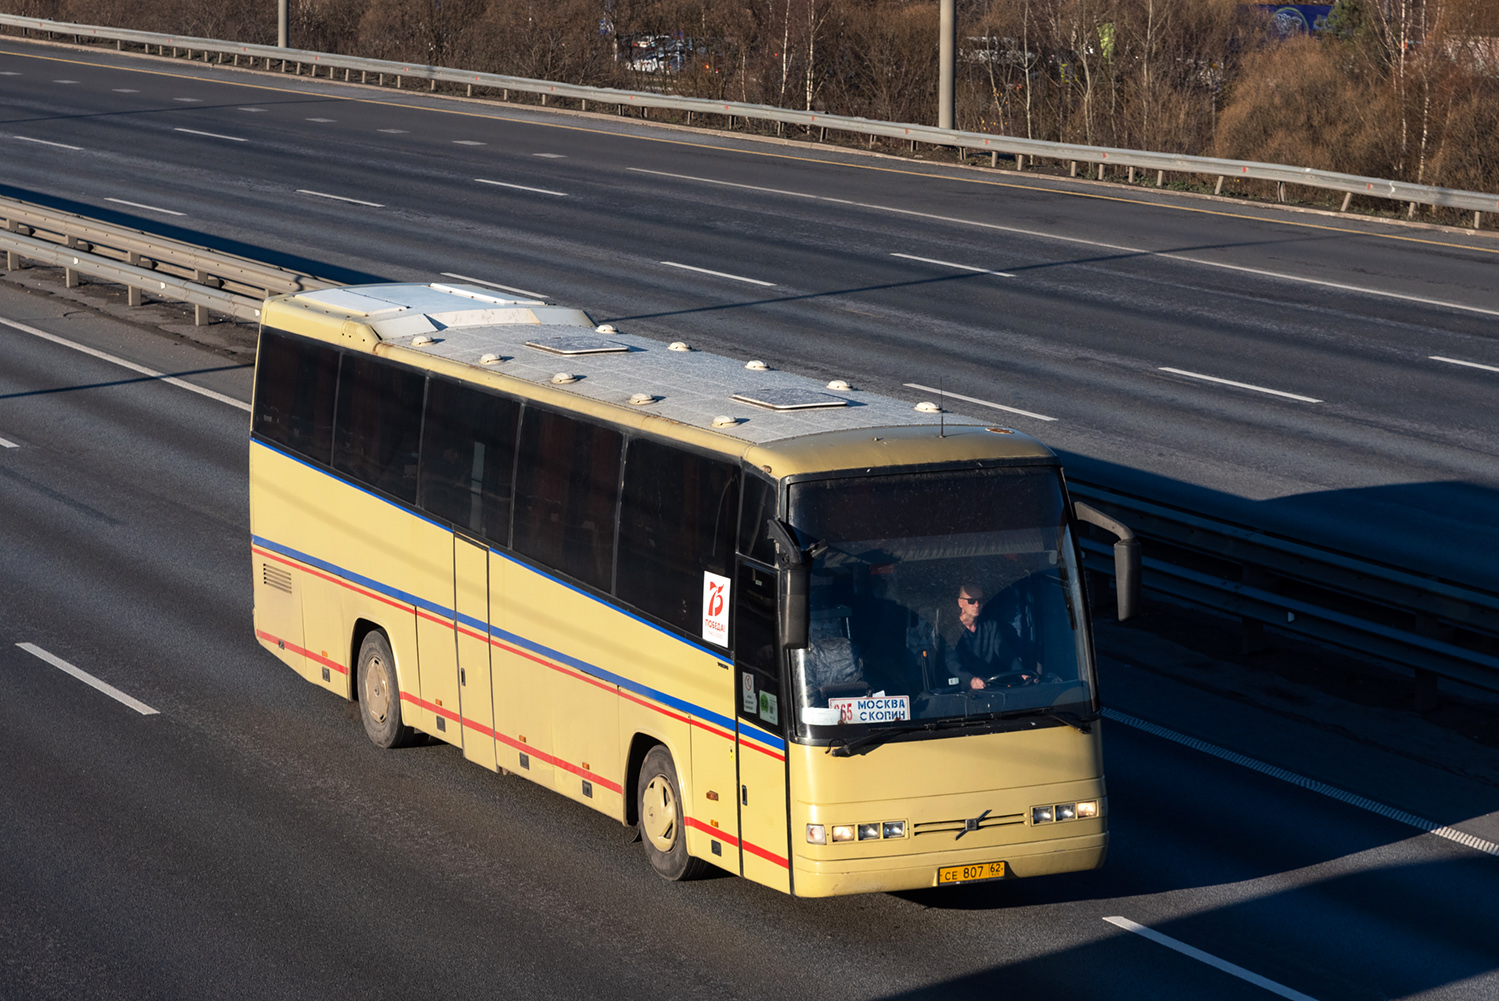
492	630
755	733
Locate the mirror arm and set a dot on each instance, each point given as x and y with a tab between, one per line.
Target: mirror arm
1126	557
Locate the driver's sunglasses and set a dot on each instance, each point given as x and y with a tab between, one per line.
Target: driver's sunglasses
968	600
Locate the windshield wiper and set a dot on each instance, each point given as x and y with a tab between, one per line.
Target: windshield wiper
1083	722
885	733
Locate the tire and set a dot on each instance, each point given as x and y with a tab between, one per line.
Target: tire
380	695
662	832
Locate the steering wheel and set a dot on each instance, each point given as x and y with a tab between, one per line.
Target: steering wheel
1009	679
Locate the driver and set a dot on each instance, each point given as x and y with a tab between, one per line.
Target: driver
985	647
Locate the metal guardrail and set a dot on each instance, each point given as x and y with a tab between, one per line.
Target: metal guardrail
1440	627
1161	163
143	263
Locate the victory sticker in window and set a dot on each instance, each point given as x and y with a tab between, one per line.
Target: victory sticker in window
715	608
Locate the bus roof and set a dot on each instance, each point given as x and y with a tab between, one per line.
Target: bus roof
525	339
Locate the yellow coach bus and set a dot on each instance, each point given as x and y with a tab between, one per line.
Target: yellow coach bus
803	633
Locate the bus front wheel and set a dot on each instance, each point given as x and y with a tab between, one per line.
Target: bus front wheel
379	694
661	819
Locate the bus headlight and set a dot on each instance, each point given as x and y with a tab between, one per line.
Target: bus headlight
869	832
843	832
1066	811
1042	815
1088	810
894	828
817	834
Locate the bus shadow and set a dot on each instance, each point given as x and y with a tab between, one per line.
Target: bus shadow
1383	931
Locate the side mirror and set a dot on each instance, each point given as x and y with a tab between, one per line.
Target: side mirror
1126	558
793	586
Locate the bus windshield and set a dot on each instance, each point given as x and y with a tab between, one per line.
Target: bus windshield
939	596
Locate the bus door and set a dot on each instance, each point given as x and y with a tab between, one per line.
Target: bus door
471	621
760	718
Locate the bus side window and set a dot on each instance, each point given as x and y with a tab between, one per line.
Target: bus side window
676	521
759	505
379	421
294	384
468	455
566	485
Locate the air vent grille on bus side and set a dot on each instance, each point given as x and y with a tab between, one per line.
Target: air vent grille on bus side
274	576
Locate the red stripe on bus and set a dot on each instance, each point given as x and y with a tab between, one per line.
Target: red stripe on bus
329	577
319	658
748	846
763	750
567	766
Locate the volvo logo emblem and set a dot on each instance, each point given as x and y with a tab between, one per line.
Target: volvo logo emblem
972	824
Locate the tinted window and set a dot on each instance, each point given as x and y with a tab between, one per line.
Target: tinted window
468	451
759	505
378	425
676	520
565	488
294	384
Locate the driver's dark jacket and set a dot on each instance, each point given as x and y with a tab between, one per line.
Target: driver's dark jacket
986	650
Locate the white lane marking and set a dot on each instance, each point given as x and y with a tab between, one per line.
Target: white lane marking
1041	235
1468	364
211	135
132	366
1208	958
1238	385
28	139
323	120
188	100
982	403
139	205
468	142
125	90
88	679
522	187
552	156
950	264
507	288
719	274
339	198
64	81
394	132
1322	788
9	73
252	109
7	443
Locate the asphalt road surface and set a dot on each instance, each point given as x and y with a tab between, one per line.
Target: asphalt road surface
245	840
1327	378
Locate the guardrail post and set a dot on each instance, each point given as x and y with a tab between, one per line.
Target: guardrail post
70	277
1347	199
1072	168
1477	218
1218	188
1132	175
1411	214
12	261
1160	178
1252	631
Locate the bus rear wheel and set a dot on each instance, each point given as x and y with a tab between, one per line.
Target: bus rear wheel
661	819
379	694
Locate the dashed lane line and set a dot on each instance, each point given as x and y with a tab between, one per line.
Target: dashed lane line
132	366
1206	957
7	443
212	135
521	187
44	142
340	198
89	679
1465	364
1333	792
950	264
506	288
1238	385
982	403
719	274
142	205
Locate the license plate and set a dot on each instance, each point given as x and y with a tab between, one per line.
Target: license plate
970	873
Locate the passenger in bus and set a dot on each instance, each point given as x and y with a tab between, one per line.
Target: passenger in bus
989	642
